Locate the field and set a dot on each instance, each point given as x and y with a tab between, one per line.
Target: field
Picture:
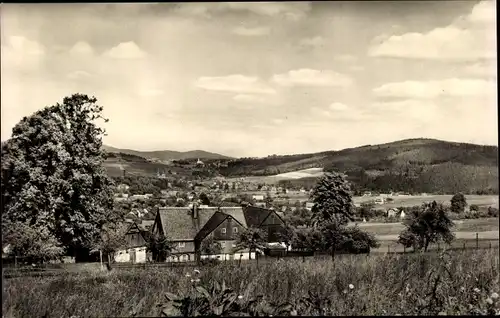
407	200
363	285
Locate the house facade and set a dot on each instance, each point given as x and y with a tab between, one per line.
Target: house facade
134	250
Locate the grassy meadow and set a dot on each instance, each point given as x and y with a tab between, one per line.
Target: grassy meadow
457	282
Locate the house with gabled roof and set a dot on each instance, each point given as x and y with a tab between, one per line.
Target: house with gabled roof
188	227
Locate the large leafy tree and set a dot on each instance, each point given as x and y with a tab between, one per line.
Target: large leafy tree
428	225
332	200
52	175
252	239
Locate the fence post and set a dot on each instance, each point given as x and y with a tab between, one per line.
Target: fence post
490	245
404	249
477	240
388	249
464	245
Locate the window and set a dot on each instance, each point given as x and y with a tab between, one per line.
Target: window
223	230
235	230
182	244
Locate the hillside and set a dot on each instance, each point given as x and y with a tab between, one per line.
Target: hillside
166	155
413	165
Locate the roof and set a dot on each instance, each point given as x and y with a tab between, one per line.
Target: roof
254	216
236	213
178	223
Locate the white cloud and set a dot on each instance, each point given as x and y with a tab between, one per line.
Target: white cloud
278	121
482	69
313	42
483	12
309	77
342	112
126	50
21	53
290	11
259	31
235	84
356	68
77	75
453	87
409	109
469	38
81	49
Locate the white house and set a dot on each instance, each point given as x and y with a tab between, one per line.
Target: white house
258	197
392	212
309	205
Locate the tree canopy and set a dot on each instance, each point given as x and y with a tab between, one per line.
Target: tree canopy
428	225
52	175
332	199
458	203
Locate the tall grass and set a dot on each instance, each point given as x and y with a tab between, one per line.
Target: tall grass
458	283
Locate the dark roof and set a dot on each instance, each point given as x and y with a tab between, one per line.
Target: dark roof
178	222
216	219
254	216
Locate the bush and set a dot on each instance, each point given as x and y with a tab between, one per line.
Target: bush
492	211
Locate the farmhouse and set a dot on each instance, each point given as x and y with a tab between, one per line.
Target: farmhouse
135	249
188	227
309	205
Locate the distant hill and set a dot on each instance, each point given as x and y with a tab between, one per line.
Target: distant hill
412	165
165	155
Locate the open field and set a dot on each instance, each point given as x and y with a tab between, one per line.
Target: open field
375	285
462	226
406	200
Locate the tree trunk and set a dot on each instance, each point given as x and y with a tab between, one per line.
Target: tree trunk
249	254
426	245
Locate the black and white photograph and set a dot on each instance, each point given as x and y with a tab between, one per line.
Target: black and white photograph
182	159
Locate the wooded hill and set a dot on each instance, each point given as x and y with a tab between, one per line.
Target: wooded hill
413	165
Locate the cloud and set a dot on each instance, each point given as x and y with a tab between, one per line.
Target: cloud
259	31
340	111
19	52
316	41
78	75
482	69
125	50
278	121
81	49
468	38
452	87
234	84
290	11
309	77
409	109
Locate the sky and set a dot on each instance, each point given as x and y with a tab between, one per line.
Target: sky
256	79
